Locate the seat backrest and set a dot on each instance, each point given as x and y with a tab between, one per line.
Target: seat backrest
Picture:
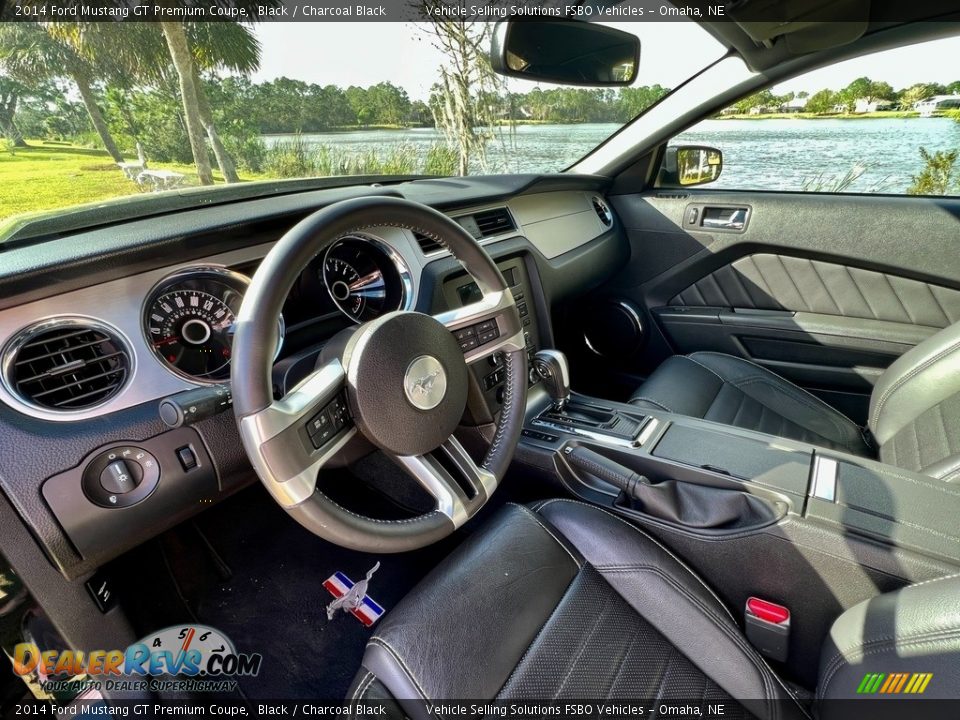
915	408
900	644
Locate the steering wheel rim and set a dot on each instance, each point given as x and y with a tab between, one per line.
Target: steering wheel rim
274	432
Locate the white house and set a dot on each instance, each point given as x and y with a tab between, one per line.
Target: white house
869	105
795	105
937	103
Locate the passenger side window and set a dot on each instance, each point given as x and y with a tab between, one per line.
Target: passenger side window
884	123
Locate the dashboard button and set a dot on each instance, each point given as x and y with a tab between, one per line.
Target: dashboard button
120	477
188	461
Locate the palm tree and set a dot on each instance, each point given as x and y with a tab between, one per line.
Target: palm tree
143	52
179	46
29	52
10	91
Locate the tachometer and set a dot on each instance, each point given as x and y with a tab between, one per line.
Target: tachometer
189	319
366	277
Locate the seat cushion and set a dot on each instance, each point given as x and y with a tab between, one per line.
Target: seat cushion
567	601
730	390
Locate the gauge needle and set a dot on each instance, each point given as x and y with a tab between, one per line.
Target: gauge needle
166	341
370	285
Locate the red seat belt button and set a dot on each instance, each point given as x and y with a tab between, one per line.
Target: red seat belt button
771	612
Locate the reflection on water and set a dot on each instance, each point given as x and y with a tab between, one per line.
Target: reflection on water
757	154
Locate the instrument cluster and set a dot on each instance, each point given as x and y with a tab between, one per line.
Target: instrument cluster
189	316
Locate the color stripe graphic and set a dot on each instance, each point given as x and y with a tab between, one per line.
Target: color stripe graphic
894	683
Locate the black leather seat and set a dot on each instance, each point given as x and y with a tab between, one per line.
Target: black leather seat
914	408
567	601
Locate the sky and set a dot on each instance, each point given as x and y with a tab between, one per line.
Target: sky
367	53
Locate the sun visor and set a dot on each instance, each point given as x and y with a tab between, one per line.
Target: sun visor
805	25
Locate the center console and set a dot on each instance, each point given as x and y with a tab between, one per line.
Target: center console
813	529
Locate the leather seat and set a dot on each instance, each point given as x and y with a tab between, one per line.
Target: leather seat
565	600
914	415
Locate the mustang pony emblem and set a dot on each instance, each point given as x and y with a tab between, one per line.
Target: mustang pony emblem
424	385
352	597
425	382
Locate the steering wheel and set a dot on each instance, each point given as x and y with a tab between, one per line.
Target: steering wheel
400	381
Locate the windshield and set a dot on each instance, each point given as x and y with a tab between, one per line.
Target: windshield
92	112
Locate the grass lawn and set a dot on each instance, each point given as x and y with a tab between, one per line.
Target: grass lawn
47	176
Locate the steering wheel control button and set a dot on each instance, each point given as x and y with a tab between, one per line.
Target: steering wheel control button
425	382
476	335
120	477
188	461
324	425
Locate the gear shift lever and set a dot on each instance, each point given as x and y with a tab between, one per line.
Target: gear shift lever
552	367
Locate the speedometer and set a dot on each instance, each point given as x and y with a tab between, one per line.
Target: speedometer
366	277
189	320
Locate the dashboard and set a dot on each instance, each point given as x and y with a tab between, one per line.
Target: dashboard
90	345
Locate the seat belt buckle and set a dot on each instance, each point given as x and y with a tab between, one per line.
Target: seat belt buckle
768	628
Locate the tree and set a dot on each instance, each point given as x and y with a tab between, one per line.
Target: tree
176	37
914	94
937	176
10	93
465	77
821	102
32	53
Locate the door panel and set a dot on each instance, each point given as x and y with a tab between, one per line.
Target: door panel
827	290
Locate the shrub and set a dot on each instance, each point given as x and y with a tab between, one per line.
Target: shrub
937	175
442	159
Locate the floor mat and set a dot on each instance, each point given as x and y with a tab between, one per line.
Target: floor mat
260	582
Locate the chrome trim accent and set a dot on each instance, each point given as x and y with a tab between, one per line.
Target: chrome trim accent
606	207
649	427
26	334
592	434
491	306
315	389
825	471
294	407
189	272
634	315
399	264
436	481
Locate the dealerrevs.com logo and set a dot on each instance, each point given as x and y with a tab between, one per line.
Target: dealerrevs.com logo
192	658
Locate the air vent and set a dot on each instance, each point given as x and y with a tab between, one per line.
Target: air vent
427	245
493	222
66	365
603	211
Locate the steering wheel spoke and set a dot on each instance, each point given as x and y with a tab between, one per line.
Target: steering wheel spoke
485	327
297	435
459	486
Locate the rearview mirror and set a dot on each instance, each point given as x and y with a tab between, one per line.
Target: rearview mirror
564	52
687	165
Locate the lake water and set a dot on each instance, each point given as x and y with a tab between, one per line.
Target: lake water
758	154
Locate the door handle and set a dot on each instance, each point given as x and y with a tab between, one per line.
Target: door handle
725	218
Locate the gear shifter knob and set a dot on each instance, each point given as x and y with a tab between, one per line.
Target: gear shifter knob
552	367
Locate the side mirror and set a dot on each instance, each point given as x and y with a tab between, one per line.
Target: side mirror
687	165
564	52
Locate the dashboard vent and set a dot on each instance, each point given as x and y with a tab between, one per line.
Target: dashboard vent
67	365
427	245
603	211
494	222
